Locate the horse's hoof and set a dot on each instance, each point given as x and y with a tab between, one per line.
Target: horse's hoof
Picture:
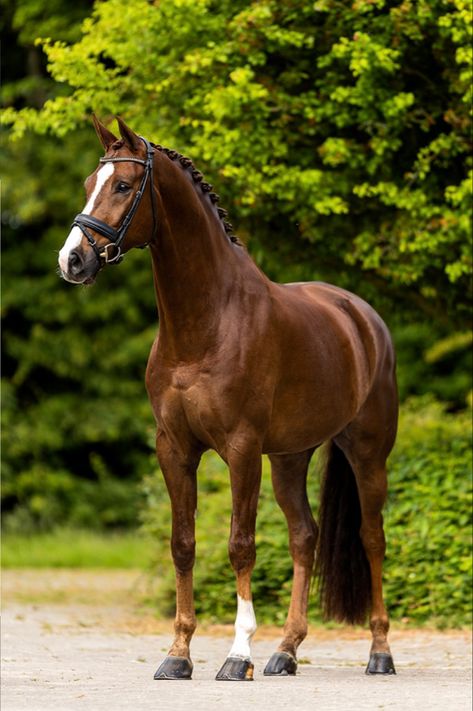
380	663
175	668
281	664
236	669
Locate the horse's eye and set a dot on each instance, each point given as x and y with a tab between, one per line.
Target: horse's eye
122	187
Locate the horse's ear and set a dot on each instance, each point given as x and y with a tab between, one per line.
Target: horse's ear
106	137
131	139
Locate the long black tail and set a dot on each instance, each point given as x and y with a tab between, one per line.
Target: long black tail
341	564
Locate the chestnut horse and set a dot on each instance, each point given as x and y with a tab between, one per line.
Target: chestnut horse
245	366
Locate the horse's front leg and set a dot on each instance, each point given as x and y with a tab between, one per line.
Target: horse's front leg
289	475
245	474
179	467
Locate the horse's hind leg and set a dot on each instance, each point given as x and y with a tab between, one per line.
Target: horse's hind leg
372	489
367	447
289	474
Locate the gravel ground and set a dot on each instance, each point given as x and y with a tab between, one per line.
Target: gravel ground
72	656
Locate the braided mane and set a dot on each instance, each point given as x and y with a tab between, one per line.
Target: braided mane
207	188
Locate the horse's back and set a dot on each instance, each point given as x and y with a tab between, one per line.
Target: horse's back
321	294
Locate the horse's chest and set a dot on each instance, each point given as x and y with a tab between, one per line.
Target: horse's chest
190	401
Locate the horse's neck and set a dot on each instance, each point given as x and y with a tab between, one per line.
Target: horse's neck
196	267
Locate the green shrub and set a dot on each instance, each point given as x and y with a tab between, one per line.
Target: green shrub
428	519
338	135
427	523
431	360
46	498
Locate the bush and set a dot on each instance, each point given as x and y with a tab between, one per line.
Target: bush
46	498
428	520
337	134
429	361
428	564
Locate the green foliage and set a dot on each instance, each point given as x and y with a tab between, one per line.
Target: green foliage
77	430
349	128
427	523
339	135
45	496
427	363
51	18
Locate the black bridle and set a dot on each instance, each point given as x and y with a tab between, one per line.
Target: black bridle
116	236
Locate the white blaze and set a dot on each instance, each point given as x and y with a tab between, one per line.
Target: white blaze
245	627
75	235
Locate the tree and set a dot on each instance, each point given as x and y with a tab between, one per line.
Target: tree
340	134
74	441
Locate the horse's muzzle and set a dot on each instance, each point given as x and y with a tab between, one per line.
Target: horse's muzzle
82	266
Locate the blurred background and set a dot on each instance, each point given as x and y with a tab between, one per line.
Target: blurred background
339	138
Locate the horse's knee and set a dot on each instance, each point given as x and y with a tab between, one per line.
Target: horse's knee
242	551
183	552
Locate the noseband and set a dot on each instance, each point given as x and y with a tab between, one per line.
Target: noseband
116	236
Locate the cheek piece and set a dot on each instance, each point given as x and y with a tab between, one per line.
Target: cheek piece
116	236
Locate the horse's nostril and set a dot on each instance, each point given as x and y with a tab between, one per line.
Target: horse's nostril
76	263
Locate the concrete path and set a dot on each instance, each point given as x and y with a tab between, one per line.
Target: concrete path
65	658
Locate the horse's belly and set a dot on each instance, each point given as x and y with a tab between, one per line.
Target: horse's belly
301	423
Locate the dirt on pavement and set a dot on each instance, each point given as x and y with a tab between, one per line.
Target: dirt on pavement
76	640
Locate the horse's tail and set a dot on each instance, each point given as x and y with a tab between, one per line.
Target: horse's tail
341	565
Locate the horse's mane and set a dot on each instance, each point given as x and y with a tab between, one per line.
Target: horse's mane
198	179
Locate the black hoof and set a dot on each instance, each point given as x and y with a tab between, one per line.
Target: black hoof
380	663
236	669
281	664
175	668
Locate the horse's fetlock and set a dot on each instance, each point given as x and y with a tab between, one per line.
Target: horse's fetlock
295	631
185	625
247	626
379	626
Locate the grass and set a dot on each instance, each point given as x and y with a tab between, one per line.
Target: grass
68	548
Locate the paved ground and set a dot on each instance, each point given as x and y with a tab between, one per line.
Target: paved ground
73	656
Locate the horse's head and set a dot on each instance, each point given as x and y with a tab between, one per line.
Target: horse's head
116	216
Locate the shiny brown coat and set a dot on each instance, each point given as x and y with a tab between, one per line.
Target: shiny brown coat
245	366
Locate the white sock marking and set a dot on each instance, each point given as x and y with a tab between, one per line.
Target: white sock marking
75	235
245	627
